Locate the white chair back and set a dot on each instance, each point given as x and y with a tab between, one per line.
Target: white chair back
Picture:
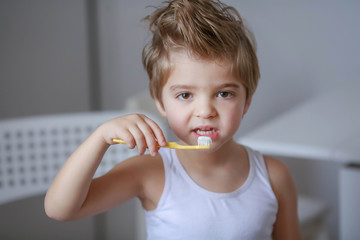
33	149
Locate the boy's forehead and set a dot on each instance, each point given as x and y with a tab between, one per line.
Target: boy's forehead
181	57
180	78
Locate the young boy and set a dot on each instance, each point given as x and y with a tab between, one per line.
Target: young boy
203	72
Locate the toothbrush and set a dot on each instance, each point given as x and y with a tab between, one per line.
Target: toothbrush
203	143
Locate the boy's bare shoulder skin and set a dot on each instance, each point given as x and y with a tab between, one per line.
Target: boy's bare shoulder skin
147	173
284	188
278	172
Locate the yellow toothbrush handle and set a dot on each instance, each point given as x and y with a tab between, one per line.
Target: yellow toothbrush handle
178	146
118	141
171	145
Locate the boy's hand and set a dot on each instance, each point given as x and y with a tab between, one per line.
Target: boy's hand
136	130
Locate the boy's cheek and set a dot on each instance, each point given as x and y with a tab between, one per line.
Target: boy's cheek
177	126
175	123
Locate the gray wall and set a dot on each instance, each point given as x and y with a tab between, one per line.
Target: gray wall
304	47
43	60
43	70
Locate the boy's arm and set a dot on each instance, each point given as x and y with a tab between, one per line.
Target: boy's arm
74	194
287	222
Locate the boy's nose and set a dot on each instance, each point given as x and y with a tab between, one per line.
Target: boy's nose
205	109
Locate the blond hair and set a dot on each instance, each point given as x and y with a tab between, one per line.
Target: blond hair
205	29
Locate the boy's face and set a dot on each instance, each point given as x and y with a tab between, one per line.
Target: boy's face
202	98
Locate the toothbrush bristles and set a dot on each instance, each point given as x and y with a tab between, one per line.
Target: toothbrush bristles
204	141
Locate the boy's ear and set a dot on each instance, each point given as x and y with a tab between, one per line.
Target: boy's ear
160	108
247	106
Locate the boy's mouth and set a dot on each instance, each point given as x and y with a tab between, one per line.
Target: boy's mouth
206	131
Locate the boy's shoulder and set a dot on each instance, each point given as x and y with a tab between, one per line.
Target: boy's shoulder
139	169
280	177
150	174
278	171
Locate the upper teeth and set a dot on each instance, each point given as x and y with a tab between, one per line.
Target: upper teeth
208	132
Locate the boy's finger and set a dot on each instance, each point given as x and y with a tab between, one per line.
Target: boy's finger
139	139
128	138
158	133
150	139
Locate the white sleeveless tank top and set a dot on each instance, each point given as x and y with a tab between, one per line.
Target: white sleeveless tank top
187	211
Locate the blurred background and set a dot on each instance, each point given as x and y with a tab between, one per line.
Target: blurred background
66	56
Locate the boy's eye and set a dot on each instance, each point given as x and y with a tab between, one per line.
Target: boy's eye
184	96
225	94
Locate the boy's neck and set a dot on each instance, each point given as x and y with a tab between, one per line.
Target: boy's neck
223	170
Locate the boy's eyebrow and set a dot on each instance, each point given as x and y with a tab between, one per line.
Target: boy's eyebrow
189	87
180	87
230	85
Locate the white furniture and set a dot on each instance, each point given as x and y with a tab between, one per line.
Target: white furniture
32	149
325	128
